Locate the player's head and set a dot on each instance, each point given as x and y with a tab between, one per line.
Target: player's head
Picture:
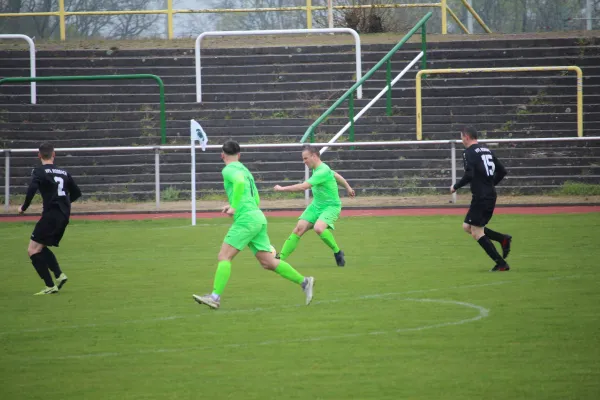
230	151
311	156
468	135
46	152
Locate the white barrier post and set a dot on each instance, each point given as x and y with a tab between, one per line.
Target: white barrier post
157	177
7	180
31	61
193	194
276	32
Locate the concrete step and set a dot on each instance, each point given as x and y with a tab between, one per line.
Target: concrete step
305	98
278	84
441	109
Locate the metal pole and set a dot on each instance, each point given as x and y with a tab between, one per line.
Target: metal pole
308	14
388	80
170	19
453	161
61	20
418	102
579	101
444	10
424	47
7	180
193	196
157	177
470	18
330	13
588	14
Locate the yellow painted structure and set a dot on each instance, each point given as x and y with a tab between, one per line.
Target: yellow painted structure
62	14
501	70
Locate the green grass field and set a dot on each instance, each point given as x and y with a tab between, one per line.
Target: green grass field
413	315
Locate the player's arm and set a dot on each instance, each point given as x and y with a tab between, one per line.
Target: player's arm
316	179
340	180
34	185
299	187
466	179
500	171
238	181
74	191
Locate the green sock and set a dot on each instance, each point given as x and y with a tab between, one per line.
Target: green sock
289	246
329	240
288	272
221	276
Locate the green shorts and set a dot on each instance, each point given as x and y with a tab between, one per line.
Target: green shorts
327	214
253	235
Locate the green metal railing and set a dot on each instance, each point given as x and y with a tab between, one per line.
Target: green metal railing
161	86
349	95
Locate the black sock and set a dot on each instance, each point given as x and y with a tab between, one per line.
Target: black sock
41	266
490	249
498	237
51	261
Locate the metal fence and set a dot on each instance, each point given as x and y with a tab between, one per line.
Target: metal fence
157	150
62	13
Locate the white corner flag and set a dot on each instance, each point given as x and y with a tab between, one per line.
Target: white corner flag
196	133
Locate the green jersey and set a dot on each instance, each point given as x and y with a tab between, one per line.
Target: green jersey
324	187
242	193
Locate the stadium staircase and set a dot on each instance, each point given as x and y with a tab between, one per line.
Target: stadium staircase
272	94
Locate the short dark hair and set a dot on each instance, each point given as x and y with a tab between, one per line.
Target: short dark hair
469	131
46	149
231	148
311	150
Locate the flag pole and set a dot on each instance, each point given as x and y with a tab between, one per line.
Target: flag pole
193	153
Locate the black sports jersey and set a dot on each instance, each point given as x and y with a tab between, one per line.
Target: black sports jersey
483	170
57	187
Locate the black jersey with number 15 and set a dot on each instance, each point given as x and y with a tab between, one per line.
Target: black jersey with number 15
483	170
57	187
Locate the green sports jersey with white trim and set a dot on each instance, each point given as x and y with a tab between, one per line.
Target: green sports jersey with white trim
324	187
242	193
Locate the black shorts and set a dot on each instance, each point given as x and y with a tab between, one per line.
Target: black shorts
50	228
480	211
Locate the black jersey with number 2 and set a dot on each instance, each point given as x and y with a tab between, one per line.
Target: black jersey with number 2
57	187
483	170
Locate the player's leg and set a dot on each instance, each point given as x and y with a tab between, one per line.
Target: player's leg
42	235
504	239
305	223
324	229
60	224
34	250
261	247
237	238
478	216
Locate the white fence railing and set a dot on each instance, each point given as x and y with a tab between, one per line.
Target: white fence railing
158	149
32	71
276	32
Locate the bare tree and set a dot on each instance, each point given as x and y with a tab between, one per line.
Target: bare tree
118	27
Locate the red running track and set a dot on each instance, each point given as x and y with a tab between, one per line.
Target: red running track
347	213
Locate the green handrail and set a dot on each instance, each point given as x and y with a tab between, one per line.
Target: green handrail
350	92
161	86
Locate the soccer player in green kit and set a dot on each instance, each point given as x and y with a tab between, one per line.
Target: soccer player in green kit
325	208
249	228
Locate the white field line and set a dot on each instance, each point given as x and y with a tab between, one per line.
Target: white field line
482	313
264	309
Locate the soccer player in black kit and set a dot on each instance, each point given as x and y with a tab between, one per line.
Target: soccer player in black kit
484	171
58	190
